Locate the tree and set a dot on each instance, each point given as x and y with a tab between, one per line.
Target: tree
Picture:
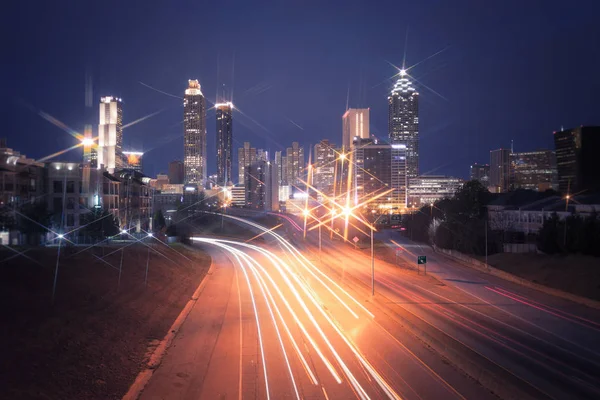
547	240
34	220
159	220
99	224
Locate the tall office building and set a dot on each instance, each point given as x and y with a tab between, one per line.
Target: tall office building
224	142
373	170
355	124
176	172
500	170
295	164
481	173
324	166
90	148
278	166
403	121
110	134
246	157
194	135
262	189
576	149
533	170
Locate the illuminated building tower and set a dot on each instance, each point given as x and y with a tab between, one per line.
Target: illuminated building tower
134	160
500	170
533	170
224	143
295	163
110	134
355	124
403	121
194	135
373	169
324	157
481	173
246	157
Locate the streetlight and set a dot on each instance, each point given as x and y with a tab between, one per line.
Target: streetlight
348	212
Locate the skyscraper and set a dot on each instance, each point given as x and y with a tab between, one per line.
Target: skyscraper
110	134
194	134
533	170
261	185
403	121
324	166
224	142
576	162
373	172
500	170
355	124
176	172
295	163
481	173
246	157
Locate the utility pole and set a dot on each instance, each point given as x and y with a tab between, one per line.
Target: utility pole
486	242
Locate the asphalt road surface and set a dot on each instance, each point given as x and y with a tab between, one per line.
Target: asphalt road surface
272	323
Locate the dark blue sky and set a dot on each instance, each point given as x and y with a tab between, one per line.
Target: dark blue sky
509	70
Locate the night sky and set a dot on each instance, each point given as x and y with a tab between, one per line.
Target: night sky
505	70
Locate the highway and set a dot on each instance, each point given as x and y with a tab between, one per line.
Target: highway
548	343
272	323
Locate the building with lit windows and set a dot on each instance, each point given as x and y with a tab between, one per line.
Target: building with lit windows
481	173
403	121
324	166
194	135
110	134
355	124
224	142
246	157
373	171
533	170
262	189
576	164
427	189
295	164
499	170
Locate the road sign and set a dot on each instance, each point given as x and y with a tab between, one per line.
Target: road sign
421	260
356	239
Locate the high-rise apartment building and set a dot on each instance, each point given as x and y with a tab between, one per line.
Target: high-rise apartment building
295	164
355	124
373	171
500	170
246	157
576	149
403	121
194	135
176	172
224	142
110	134
481	173
324	166
278	166
533	170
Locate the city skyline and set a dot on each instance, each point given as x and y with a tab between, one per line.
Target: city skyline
471	77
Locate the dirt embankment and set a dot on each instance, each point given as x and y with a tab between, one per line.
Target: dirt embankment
575	274
91	343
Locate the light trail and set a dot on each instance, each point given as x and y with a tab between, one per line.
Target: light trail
304	295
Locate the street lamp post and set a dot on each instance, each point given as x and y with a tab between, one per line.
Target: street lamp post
372	265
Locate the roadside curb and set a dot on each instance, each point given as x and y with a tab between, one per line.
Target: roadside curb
486	268
144	376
